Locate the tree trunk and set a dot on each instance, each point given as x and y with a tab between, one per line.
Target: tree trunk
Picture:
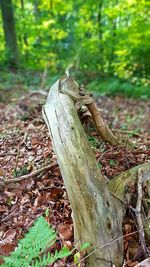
98	208
94	213
25	39
120	189
10	33
100	5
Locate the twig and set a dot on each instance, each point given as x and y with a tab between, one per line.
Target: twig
138	214
144	263
108	150
27	176
44	76
124	203
128	132
30	126
108	244
11	213
17	157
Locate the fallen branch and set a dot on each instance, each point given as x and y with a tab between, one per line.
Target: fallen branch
102	128
85	185
145	263
110	243
138	214
27	176
78	94
127	132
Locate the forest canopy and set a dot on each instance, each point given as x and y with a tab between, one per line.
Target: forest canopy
102	39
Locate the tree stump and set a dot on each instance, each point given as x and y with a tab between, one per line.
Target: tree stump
97	215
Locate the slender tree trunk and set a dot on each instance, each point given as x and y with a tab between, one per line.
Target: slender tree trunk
25	39
10	32
36	9
113	27
113	42
51	4
101	34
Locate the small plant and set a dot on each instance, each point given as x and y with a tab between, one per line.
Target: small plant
31	250
22	171
94	142
99	166
112	162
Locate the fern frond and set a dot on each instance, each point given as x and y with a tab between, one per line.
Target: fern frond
40	237
49	258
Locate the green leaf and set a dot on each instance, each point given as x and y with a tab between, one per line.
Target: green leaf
112	162
84	246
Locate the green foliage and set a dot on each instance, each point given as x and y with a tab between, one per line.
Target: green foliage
31	250
99	166
112	162
94	142
115	86
19	172
107	41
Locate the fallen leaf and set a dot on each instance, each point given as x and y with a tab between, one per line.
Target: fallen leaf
6	249
65	231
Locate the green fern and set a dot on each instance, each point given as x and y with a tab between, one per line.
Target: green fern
30	250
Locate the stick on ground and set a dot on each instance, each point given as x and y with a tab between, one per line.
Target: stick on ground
27	176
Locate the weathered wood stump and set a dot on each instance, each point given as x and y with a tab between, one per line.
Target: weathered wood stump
97	215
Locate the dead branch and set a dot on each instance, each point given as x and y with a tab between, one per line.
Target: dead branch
145	263
127	132
112	242
78	94
85	185
139	216
27	176
44	76
102	128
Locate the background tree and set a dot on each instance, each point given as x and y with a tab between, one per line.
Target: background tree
12	54
109	39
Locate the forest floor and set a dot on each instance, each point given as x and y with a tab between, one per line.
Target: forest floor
26	147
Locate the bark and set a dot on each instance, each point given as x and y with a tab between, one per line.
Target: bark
100	5
25	39
94	213
98	208
36	9
101	127
10	33
120	189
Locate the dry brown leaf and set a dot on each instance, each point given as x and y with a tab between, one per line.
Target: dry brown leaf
6	249
65	231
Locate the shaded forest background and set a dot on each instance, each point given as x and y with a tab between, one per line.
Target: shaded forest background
108	43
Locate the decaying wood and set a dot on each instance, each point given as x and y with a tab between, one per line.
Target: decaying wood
145	263
27	176
98	208
138	214
79	94
102	128
94	212
120	189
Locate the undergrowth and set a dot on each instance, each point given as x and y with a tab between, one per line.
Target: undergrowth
26	80
114	86
31	250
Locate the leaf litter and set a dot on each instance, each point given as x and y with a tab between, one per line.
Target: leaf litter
26	147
